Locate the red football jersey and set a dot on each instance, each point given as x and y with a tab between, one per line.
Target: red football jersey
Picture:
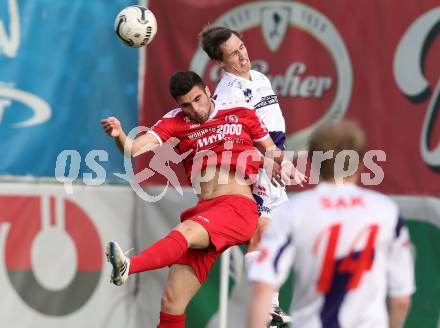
225	139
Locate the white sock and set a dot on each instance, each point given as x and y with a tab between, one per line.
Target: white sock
275	300
250	258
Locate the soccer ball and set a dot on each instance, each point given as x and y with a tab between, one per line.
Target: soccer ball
136	26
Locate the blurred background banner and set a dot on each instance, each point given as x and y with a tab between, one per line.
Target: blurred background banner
52	263
60	73
372	61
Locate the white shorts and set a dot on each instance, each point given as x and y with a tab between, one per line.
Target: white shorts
267	196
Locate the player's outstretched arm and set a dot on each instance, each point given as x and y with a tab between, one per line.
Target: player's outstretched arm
259	306
144	143
278	166
112	126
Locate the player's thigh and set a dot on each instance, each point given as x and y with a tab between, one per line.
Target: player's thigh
195	234
181	286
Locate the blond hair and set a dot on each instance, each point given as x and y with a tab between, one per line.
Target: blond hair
337	137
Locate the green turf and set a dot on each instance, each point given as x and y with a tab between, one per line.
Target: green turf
426	301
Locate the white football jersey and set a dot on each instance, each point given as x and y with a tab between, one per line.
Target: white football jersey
259	93
349	250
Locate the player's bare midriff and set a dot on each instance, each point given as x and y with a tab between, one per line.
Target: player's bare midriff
223	182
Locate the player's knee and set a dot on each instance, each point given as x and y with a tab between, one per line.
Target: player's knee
170	302
195	234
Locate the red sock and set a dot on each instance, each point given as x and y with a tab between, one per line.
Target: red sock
171	320
161	254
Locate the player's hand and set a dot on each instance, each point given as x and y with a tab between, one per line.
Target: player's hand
112	126
273	170
290	175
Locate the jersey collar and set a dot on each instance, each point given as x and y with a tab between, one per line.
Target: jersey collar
233	76
215	110
330	185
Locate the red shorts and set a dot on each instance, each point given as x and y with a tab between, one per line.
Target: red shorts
229	220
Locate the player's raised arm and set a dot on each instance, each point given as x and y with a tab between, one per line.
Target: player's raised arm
144	143
277	165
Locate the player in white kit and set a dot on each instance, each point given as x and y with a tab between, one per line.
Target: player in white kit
239	81
350	250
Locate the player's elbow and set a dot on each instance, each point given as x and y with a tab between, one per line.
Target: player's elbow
398	310
402	303
137	149
399	304
140	147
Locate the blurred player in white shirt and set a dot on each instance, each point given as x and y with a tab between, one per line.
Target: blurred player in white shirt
227	49
349	249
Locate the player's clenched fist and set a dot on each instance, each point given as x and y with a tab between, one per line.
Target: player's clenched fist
112	126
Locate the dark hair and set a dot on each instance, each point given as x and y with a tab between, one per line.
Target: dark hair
212	37
182	82
339	136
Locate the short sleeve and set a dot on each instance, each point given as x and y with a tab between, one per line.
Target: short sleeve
400	271
164	129
257	129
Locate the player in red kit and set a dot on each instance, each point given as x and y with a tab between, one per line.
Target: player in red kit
219	138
